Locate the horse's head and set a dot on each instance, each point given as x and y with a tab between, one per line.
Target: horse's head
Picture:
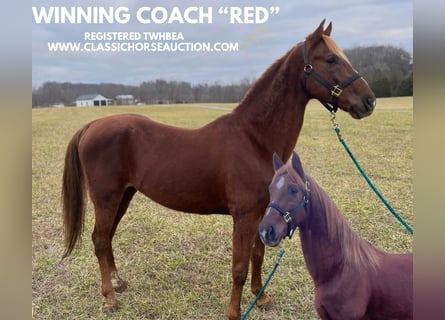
330	78
289	196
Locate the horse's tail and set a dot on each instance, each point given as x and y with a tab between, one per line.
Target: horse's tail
73	194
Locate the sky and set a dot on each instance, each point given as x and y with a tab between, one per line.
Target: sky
262	31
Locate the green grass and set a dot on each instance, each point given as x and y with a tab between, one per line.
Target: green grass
178	265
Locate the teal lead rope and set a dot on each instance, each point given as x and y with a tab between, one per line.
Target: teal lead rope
280	255
373	187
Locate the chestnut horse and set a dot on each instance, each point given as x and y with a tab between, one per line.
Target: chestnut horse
222	167
353	279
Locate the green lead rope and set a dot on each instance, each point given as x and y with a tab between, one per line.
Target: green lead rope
373	187
280	255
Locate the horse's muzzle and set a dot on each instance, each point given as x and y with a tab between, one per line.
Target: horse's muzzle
363	109
269	236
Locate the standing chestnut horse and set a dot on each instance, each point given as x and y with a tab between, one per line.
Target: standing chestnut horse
223	167
353	279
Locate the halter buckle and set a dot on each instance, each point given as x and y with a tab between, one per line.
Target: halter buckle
287	217
336	91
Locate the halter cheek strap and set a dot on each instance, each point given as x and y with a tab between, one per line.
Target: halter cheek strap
335	90
288	215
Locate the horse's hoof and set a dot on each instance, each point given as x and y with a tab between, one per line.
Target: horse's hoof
264	302
110	307
234	317
233	314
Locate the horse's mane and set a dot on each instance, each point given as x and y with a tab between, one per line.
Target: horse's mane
276	75
356	251
270	72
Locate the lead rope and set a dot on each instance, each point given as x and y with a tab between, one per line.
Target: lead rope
373	187
280	255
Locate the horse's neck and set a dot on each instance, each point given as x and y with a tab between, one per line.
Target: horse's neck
323	255
272	111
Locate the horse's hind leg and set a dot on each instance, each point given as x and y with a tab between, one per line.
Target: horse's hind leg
109	210
118	283
103	250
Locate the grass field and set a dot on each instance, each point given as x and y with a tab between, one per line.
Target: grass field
178	265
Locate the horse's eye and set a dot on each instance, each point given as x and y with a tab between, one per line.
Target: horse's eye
332	59
293	190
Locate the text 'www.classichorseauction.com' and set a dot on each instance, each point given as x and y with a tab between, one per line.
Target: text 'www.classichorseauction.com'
140	42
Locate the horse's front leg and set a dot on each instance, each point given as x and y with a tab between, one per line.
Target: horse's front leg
257	262
243	237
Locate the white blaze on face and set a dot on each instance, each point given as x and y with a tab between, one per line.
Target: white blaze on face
280	183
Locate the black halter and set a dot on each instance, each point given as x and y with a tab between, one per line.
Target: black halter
336	90
288	215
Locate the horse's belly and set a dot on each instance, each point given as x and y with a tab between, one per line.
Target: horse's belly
187	202
185	191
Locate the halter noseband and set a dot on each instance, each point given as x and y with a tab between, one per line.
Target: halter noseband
288	215
336	90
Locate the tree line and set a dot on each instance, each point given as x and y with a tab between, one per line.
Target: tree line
387	69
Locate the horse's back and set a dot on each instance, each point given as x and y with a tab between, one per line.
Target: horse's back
122	124
124	131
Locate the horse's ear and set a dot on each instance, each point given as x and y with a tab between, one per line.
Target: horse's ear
296	164
328	30
319	31
315	36
277	162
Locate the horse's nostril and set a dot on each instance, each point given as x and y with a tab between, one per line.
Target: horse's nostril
369	103
270	235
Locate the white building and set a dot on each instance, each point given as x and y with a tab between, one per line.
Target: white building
92	100
125	99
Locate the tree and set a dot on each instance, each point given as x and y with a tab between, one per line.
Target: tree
406	87
381	87
382	64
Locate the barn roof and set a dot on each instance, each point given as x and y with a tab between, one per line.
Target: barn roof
88	96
